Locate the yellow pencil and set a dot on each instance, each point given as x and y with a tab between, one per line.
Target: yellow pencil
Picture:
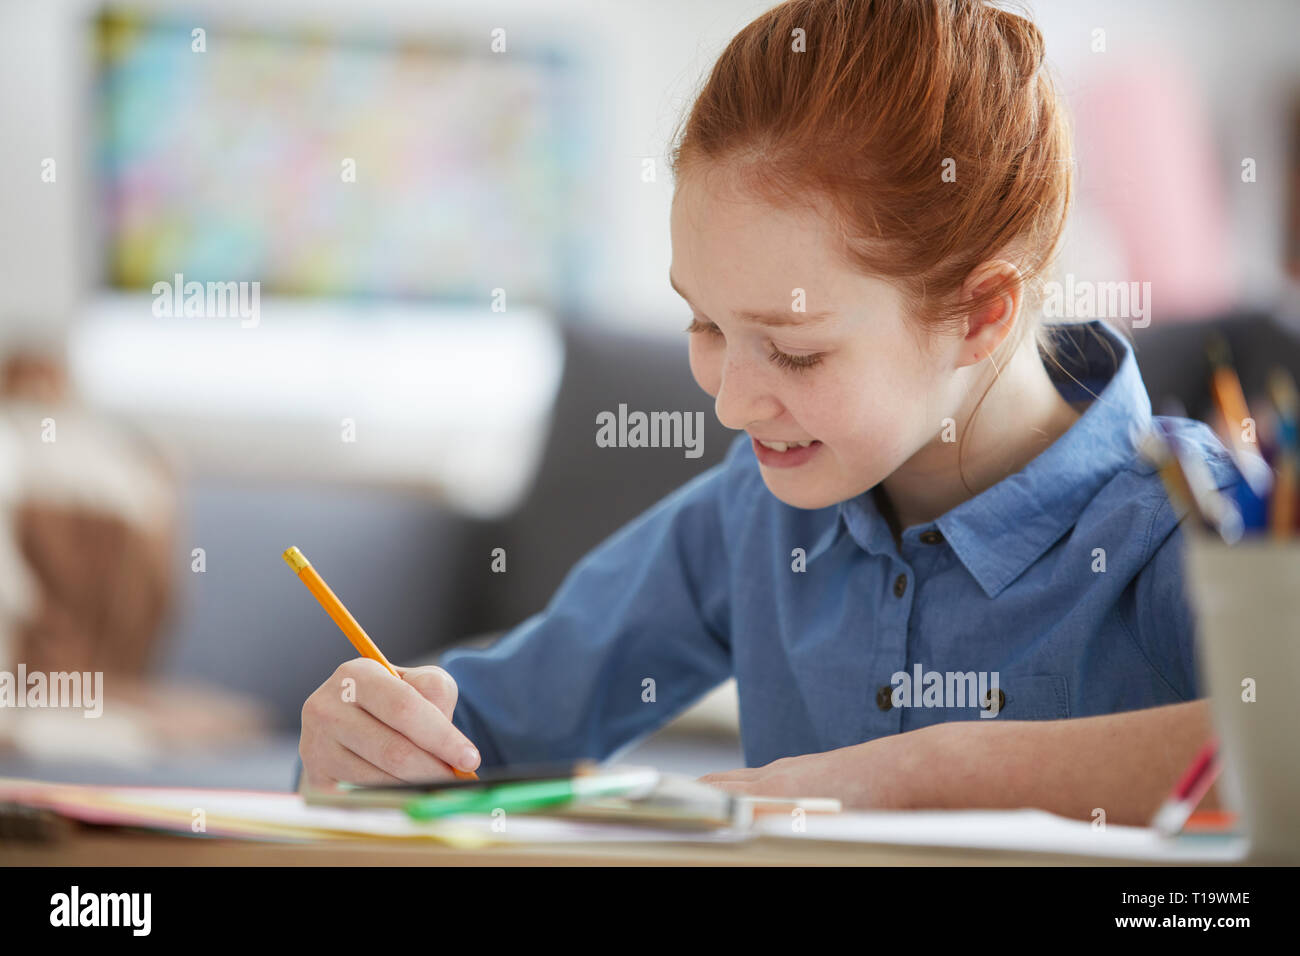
346	622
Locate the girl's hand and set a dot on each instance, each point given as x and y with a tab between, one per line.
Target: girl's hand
878	774
364	726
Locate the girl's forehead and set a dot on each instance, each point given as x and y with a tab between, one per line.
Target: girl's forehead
722	191
725	235
708	225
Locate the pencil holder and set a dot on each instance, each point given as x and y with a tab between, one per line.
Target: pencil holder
1246	598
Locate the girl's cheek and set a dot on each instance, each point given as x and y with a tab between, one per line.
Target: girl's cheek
826	406
849	413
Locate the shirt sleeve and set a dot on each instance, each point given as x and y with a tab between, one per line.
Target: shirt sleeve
638	631
1166	619
1166	624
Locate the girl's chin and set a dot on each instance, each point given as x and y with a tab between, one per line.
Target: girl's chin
801	495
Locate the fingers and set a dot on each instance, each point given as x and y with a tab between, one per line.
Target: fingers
326	762
742	773
347	767
434	684
383	747
402	707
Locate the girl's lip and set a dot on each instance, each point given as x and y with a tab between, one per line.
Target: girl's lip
790	458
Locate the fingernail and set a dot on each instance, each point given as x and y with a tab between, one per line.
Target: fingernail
469	759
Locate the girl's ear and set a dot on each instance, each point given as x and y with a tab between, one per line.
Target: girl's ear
988	325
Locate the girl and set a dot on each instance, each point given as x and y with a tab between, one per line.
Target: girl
933	560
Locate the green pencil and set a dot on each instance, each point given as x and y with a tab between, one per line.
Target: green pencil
532	795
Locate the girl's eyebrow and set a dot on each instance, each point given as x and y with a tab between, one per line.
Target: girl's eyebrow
764	317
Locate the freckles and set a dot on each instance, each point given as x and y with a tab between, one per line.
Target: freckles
825	411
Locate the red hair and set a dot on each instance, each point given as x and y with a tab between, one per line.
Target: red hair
887	95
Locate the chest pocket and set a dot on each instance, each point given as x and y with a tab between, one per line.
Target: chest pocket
1035	697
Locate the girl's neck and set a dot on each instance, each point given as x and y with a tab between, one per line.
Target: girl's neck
1022	414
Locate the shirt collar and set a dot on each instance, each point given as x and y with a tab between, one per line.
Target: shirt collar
1004	529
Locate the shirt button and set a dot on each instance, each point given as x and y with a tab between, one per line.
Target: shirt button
1002	701
931	537
900	585
885	698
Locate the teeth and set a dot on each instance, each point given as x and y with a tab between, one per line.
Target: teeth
783	445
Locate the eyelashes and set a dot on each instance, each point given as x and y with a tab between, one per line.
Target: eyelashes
793	363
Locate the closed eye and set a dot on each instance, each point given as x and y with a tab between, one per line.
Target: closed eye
793	363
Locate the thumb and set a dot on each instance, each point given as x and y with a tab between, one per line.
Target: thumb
434	684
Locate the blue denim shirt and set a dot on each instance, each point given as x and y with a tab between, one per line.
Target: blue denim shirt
1064	578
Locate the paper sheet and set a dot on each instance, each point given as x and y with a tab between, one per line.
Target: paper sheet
274	815
1021	830
284	816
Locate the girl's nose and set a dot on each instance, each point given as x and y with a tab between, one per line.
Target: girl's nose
743	396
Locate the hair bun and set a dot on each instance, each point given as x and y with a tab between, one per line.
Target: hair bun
1023	39
930	126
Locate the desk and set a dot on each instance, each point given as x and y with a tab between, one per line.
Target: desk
90	846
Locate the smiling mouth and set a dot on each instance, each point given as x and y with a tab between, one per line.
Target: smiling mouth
783	445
